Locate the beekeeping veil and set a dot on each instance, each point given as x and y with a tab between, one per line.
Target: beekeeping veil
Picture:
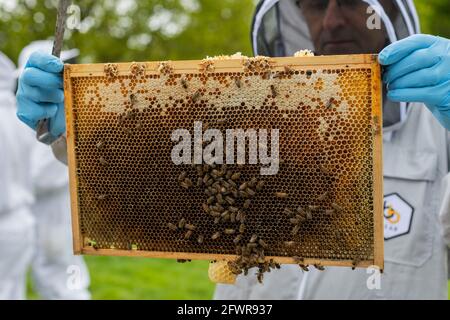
279	29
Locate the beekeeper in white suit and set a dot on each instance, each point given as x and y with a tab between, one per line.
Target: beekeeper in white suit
416	145
416	122
56	272
16	197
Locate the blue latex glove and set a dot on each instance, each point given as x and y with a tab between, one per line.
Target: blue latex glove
40	94
419	71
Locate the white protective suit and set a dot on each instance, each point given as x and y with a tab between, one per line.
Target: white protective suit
54	265
416	185
16	221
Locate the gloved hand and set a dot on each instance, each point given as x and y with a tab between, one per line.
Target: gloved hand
40	94
419	71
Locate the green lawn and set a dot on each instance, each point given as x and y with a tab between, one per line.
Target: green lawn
139	278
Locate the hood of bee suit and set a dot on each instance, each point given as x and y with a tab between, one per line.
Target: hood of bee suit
7	82
279	29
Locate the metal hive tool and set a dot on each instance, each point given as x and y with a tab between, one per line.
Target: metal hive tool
129	198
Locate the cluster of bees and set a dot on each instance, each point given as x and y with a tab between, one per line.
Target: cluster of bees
111	70
228	199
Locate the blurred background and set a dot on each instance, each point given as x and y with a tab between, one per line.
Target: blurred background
131	30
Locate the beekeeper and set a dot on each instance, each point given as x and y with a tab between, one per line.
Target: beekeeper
416	145
53	262
16	219
416	119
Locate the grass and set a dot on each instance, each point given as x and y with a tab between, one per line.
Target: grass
138	278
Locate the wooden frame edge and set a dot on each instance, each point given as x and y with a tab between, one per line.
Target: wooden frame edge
71	161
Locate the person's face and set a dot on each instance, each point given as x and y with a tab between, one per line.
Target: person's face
340	26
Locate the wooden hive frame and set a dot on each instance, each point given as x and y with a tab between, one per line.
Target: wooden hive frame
349	62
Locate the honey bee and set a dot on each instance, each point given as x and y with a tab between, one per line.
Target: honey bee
184	83
281	195
211	199
329	212
295	230
241	228
196	96
206	208
182	176
133	99
273	91
189	226
247	204
215	213
238	83
220	198
235	176
252	245
262	243
260	277
134	247
253	238
103	161
181	223
243	194
313	208
216	220
225	214
229	231
102	196
324	170
215	235
288	212
233	209
229	200
355	262
304	267
250	192
288	70
188	234
243	186
172	226
319	267
138	124
329	103
100	144
199	182
232	217
259	185
337	207
237	239
289	243
185	185
294	221
323	196
200	239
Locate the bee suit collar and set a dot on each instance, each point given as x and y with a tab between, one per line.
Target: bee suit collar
279	29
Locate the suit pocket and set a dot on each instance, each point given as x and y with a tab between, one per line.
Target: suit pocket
410	204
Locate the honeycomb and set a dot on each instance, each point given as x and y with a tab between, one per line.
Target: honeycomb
219	272
322	208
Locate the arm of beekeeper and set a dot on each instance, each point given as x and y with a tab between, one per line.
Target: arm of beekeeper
41	96
418	70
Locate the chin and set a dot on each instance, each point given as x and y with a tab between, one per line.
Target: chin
340	49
